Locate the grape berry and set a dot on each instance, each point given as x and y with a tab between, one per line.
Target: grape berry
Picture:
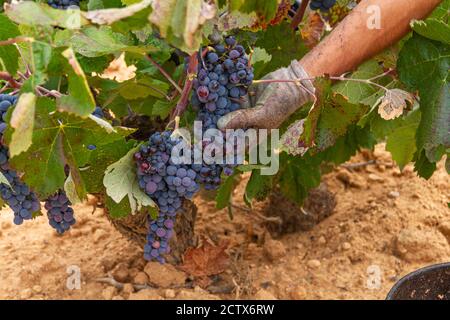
63	4
323	5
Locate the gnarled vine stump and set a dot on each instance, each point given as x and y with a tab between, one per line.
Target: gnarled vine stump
134	227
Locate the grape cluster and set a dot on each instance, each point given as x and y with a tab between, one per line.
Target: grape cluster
63	4
59	213
168	184
17	194
323	5
222	81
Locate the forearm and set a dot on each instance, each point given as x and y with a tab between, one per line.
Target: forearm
352	41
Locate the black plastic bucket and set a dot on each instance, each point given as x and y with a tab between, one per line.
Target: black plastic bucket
429	283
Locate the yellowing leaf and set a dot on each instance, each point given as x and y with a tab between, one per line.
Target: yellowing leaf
22	120
118	70
392	104
109	16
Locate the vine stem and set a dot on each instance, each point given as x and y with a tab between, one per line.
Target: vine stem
164	73
184	99
299	15
15	40
12	82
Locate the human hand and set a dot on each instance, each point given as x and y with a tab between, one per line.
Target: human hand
270	102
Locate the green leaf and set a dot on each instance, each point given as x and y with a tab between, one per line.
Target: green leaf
162	108
258	186
401	143
283	44
100	159
9	55
22	121
121	181
94	42
41	14
181	21
80	100
70	189
59	139
260	55
423	166
433	29
424	66
225	192
265	10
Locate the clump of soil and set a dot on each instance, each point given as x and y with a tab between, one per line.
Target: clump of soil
385	224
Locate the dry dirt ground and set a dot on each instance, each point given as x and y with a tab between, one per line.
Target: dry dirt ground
386	224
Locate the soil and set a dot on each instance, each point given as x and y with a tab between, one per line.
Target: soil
386	223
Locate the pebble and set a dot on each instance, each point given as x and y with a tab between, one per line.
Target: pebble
322	240
346	246
164	275
118	298
169	294
37	289
314	263
394	194
109	292
141	278
146	294
274	249
120	272
128	288
298	293
375	178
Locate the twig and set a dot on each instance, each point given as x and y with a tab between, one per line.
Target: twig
183	102
164	73
358	165
12	82
119	285
15	40
299	15
51	93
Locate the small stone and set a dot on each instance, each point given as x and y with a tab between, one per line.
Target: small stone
421	246
313	263
141	278
346	246
146	294
264	295
298	293
322	240
444	228
37	289
164	275
108	264
118	298
128	288
274	249
375	178
169	294
26	294
394	194
120	272
109	292
99	234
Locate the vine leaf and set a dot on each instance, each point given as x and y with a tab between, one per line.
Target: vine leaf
80	99
22	121
313	30
260	55
432	29
5	181
392	104
121	181
180	21
71	190
258	187
118	70
225	191
109	16
206	260
423	65
265	10
40	14
59	139
290	139
401	142
9	54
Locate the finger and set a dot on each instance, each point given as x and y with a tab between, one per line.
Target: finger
240	119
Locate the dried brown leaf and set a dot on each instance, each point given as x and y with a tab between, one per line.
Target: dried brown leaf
313	30
206	260
118	70
109	16
392	104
